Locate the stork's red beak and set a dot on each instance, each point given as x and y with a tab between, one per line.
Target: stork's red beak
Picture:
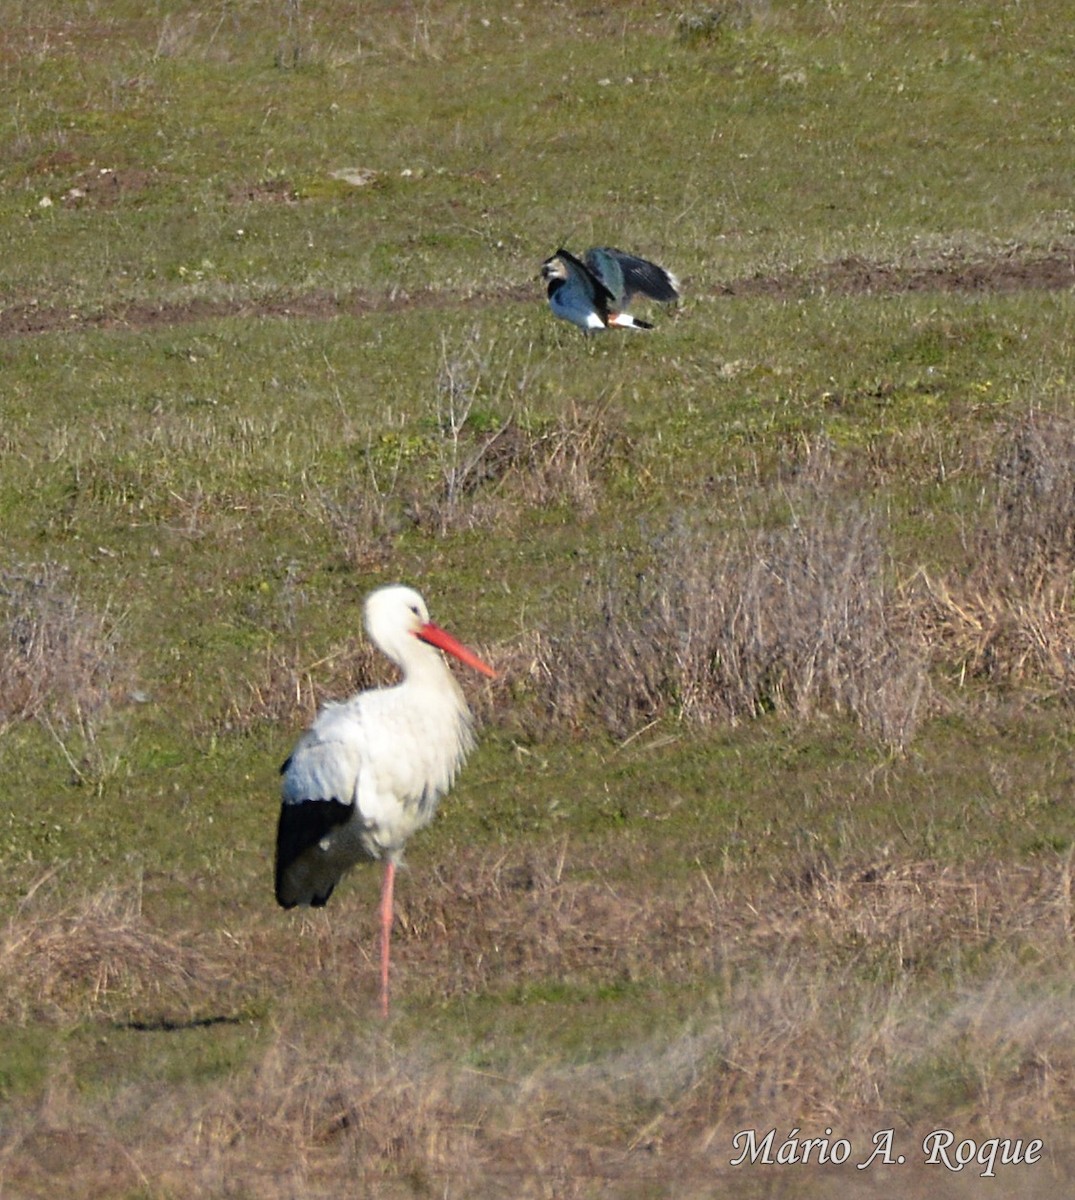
443	640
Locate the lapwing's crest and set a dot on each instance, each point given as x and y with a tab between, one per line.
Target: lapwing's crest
594	294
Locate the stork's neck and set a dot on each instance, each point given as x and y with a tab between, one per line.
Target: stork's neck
424	668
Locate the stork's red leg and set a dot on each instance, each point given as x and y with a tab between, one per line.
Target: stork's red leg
386	928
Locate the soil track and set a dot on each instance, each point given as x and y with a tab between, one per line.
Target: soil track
856	276
1007	273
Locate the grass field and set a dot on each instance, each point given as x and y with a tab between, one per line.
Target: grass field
770	826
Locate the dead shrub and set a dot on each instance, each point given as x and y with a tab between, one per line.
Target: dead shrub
480	461
99	957
519	459
58	658
793	619
496	475
365	521
702	25
472	476
1035	507
1009	617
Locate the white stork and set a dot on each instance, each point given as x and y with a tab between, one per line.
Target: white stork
370	770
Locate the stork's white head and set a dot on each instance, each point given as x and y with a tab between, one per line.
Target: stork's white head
397	615
393	616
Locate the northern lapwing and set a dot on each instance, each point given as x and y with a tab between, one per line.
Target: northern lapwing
593	294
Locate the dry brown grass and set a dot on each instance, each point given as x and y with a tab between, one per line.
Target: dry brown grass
721	627
488	924
59	660
494	923
288	690
98	957
1009	617
471	477
892	993
482	461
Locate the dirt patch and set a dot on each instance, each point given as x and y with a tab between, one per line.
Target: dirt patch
849	276
32	318
267	191
858	276
101	187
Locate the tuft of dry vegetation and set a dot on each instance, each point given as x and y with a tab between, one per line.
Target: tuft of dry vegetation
289	691
472	475
60	665
472	467
1010	617
706	23
487	479
721	627
59	660
98	957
